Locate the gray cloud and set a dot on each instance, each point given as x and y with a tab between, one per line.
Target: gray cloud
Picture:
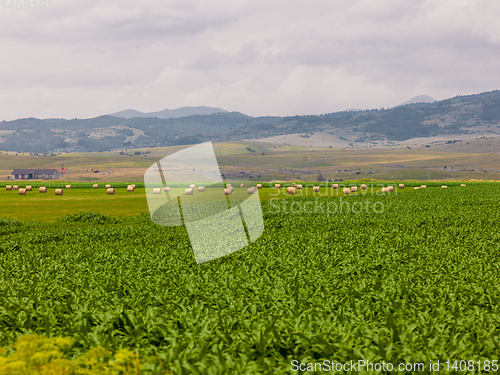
86	58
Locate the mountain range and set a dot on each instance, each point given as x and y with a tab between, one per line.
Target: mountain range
169	113
455	118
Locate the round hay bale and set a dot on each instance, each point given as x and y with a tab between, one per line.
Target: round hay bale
385	190
15	187
335	186
354	189
363	186
229	185
107	187
68	186
156	191
243	186
259	186
135	187
251	190
390	188
166	188
228	191
188	191
59	191
130	188
315	189
110	191
22	191
416	188
201	188
29	188
95	186
277	186
401	186
299	186
423	186
42	189
8	187
291	190
463	185
294	184
192	186
346	191
444	186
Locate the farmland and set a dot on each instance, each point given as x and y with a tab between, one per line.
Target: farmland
418	281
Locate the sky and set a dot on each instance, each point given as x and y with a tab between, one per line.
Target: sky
85	58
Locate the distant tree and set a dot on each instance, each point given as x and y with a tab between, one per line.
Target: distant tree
320	177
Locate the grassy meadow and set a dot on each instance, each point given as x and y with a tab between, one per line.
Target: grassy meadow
415	282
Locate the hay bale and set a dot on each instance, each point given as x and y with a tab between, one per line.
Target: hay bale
363	186
463	185
228	191
110	191
166	188
291	190
107	187
385	190
354	189
29	188
201	188
188	191
390	188
346	191
259	186
299	186
42	189
22	191
15	187
335	186
294	184
95	186
243	186
156	191
423	186
229	185
192	186
251	190
444	187
277	186
130	188
315	189
68	186
8	187
416	188
59	191
135	187
401	186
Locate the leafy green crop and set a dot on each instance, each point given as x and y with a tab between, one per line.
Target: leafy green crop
418	282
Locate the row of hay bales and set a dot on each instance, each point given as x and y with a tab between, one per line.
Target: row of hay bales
43	189
346	191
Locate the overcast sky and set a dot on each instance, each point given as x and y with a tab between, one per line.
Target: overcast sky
85	58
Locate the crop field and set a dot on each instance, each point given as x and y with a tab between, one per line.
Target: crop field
81	198
418	280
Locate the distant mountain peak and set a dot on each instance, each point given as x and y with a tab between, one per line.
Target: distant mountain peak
169	113
419	99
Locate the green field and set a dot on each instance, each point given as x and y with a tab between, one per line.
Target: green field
47	207
418	281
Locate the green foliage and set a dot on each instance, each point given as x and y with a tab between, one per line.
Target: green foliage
418	282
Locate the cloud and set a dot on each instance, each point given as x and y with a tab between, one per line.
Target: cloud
86	58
